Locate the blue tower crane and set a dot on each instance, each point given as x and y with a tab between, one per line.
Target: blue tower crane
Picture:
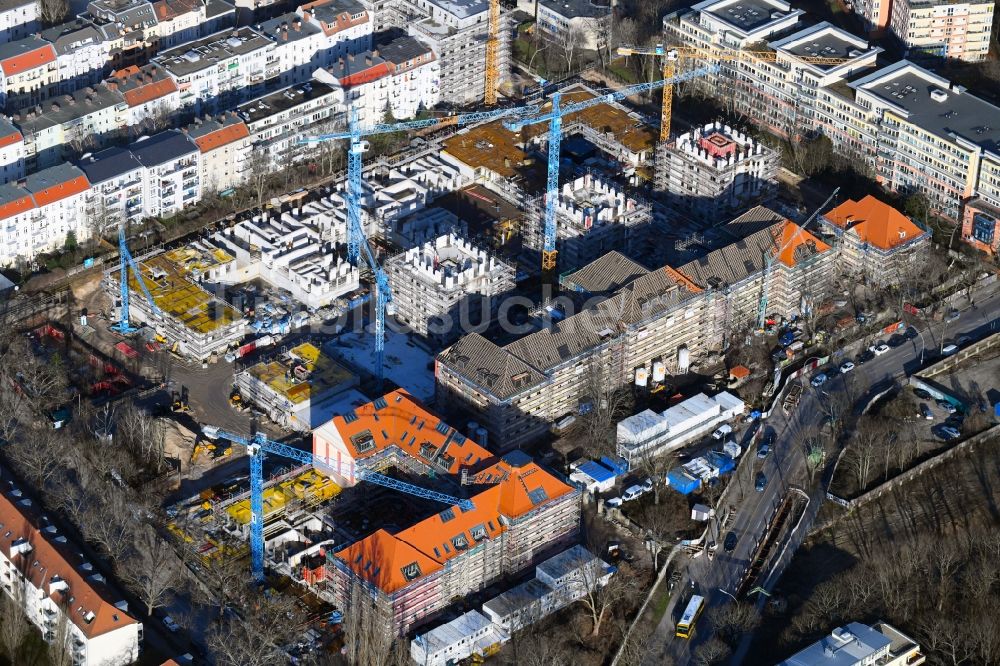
126	263
258	446
357	243
554	117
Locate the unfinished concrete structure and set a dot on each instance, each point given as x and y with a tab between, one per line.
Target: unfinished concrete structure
593	217
446	286
712	173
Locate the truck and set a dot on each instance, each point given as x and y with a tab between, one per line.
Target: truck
259	343
792	398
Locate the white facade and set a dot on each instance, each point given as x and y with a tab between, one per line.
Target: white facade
18	19
116	192
466	635
151	96
581	20
28	72
171	173
649	433
12	153
959	30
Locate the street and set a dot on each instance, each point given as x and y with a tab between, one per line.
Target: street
717	579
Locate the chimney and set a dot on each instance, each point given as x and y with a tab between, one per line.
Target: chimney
284	35
111	84
368	59
306	16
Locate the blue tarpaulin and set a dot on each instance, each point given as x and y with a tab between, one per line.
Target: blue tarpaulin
596	471
722	461
682	482
619	466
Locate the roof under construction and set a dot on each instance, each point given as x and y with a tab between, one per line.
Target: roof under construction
305	373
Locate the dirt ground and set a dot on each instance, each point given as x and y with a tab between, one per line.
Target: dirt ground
179	443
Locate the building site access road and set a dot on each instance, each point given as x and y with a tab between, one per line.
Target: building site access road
787	465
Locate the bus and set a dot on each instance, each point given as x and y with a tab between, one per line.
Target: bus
685	627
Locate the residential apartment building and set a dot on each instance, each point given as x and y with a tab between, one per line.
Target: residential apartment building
712	173
28	73
859	644
953	30
663	320
277	121
66	599
18	19
224	144
299	47
447	286
220	71
151	95
401	78
456	32
171	172
12	154
182	21
584	21
128	27
82	55
70	125
981	225
523	513
116	191
875	14
876	243
346	24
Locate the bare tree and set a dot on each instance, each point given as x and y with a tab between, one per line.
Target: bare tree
569	43
600	598
712	651
370	634
608	403
734	619
53	12
14	625
153	571
143	435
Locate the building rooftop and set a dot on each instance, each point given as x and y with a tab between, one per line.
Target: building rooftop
578	8
68	37
66	108
747	15
605	274
304	374
9	134
402	49
142	85
288	28
25	54
392	562
109	163
462	8
56	183
282	100
163	147
517	598
14	200
852	645
459	629
933	104
180	297
824	41
217	132
875	222
7	5
208	52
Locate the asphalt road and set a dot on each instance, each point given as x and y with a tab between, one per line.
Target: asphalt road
716	579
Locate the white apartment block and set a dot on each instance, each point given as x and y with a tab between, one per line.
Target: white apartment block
287	254
711	174
151	97
299	47
857	644
37	214
346	24
446	287
593	217
277	121
584	21
222	70
67	126
128	27
116	188
18	19
224	144
12	152
959	30
28	73
171	172
401	78
81	54
182	21
456	31
61	593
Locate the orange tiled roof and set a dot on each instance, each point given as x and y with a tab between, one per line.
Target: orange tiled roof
48	562
10	139
740	372
385	559
398	419
150	91
875	222
790	237
12	208
60	191
222	136
22	62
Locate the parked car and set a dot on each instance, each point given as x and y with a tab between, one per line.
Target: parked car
922	394
865	356
881	349
948	350
925	412
632	493
730	543
846	367
647	485
818	380
896	340
875	345
613	502
963	340
952	315
946	432
721	432
947	406
763	450
911	332
761	482
170	624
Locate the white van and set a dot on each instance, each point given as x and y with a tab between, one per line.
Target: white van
632	492
722	431
948	350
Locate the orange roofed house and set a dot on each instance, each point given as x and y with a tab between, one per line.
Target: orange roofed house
58	583
519	513
876	241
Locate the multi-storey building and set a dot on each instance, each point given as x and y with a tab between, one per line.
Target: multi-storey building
876	242
583	21
953	30
346	24
299	47
277	121
81	55
222	70
116	192
664	319
171	172
981	225
224	144
859	644
151	95
60	592
182	21
12	154
520	512
28	73
18	19
456	31
70	125
128	27
712	173
447	286
399	78
875	14
593	217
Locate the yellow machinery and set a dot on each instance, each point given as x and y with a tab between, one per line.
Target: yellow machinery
671	54
493	54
